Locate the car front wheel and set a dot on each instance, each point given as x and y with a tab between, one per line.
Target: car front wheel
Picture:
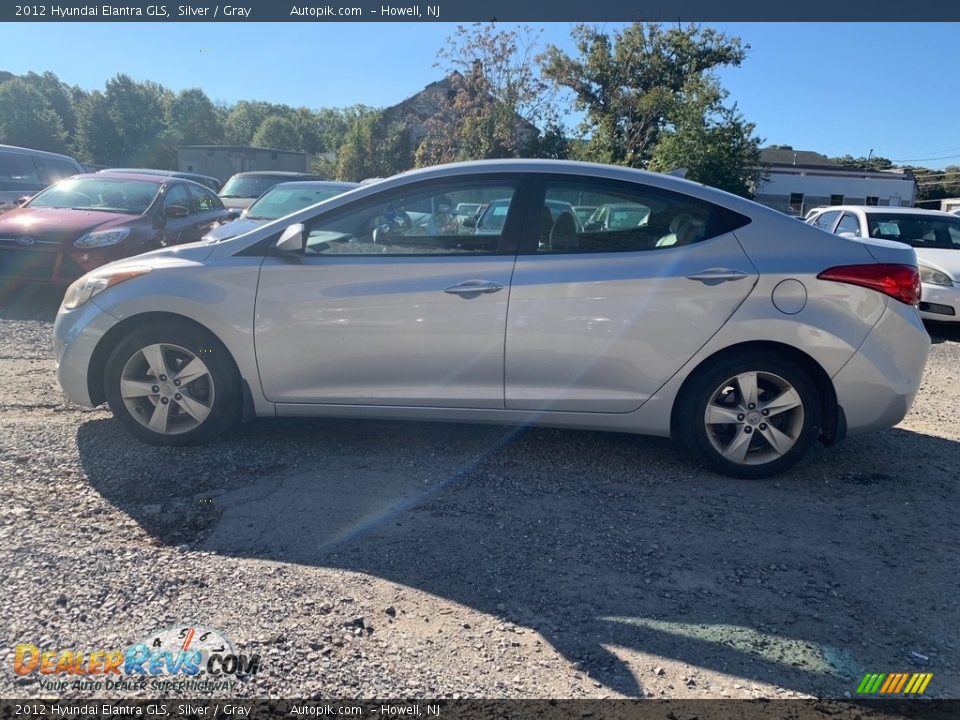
171	385
752	417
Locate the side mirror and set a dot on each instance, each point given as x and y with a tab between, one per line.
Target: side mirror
292	239
470	222
175	212
24	200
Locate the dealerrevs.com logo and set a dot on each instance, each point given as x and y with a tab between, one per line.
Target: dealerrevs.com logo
180	658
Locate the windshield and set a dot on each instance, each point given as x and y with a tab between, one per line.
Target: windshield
104	194
250	186
920	231
283	200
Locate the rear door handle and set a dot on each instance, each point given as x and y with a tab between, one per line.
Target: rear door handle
714	276
474	287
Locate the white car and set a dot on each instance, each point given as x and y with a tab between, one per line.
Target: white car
934	235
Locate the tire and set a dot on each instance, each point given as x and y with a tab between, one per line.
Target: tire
749	435
203	402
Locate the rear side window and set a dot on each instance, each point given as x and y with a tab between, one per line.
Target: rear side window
178	195
54	169
628	218
16	166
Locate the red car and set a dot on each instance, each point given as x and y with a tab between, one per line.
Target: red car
89	220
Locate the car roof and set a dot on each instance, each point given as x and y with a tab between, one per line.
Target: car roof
151	171
274	173
888	210
44	153
307	184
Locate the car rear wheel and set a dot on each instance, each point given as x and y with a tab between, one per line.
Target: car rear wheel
750	417
173	385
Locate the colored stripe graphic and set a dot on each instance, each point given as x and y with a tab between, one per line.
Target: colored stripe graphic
894	683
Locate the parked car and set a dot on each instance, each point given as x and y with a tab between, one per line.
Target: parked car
934	235
746	344
88	220
24	173
239	192
210	182
278	201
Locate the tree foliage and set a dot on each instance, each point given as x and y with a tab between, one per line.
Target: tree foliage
628	83
28	119
277	132
712	141
498	98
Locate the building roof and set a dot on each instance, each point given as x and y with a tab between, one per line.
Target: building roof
807	158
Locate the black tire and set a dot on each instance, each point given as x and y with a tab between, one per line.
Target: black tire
762	460
218	390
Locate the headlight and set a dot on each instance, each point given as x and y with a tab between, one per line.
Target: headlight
82	290
101	238
934	277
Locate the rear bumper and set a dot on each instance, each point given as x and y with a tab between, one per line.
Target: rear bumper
877	386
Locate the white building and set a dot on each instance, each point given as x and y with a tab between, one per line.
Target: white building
797	181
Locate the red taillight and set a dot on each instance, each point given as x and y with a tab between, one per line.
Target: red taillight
901	282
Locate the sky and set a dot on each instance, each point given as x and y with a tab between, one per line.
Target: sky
834	88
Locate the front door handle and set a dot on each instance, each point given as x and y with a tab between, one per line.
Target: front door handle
474	287
714	276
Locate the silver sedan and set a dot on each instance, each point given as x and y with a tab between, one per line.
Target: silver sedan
743	334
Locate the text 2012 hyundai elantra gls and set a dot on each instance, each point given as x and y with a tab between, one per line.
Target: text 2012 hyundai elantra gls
740	332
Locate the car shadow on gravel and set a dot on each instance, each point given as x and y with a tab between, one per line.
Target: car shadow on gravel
31	302
614	548
941	332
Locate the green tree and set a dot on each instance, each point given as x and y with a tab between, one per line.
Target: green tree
193	119
138	112
873	162
627	83
244	119
98	139
498	96
374	147
712	141
278	133
27	118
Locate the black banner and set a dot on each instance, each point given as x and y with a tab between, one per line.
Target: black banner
477	10
166	709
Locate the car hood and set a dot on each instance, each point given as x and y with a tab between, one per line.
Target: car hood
232	229
177	256
941	259
60	224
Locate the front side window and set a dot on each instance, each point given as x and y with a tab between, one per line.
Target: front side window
418	223
627	218
205	200
178	195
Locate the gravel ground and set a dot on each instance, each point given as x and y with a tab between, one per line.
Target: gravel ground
372	559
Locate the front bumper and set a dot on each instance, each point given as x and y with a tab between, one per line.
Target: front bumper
940	303
76	334
877	386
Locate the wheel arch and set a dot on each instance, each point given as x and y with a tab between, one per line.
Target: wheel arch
110	340
832	425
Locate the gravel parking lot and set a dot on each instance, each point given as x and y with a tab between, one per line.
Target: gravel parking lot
374	559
